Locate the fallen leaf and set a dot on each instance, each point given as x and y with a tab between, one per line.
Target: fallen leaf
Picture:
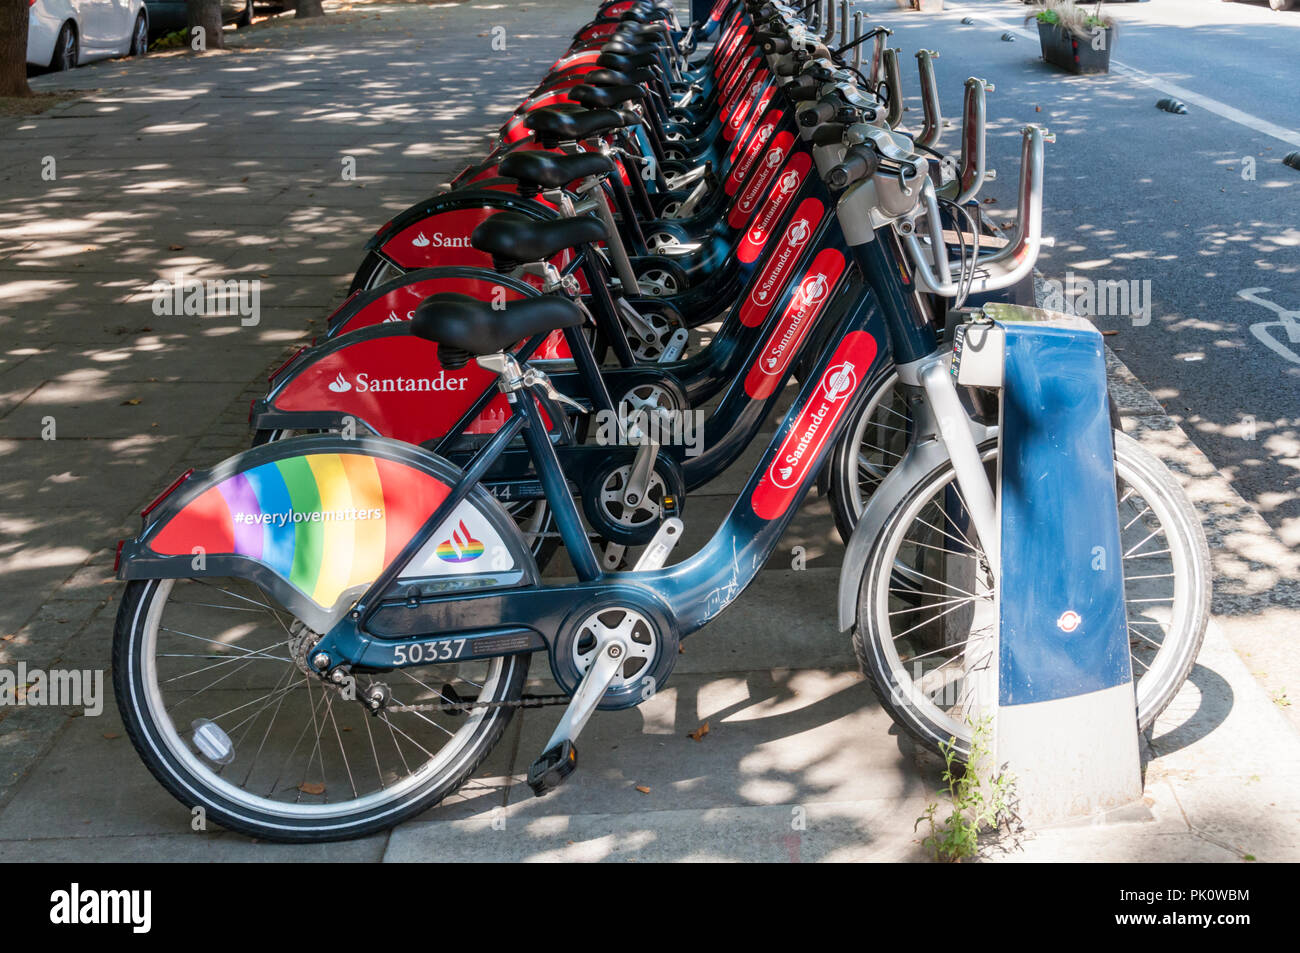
110	735
699	733
1038	109
131	402
1109	333
175	247
311	787
643	789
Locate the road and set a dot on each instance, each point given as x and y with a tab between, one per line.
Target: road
1198	209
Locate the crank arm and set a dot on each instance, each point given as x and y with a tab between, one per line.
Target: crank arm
609	659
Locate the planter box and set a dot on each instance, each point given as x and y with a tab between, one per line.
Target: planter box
1072	53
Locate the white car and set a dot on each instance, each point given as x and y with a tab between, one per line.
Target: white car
64	33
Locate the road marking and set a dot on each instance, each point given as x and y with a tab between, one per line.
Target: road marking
1231	113
1289	321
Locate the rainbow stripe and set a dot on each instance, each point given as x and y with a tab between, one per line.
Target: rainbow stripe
325	522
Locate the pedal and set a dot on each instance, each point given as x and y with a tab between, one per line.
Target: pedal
675	346
549	771
659	549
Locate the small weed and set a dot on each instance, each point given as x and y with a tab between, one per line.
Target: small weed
978	805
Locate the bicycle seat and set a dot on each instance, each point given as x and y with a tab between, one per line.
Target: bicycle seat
511	238
624	63
606	97
609	77
465	327
554	125
629	49
550	170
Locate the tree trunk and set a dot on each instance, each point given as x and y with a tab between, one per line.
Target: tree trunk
13	48
205	14
309	8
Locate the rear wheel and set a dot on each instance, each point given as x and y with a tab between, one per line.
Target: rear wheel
925	609
215	691
374	271
67	49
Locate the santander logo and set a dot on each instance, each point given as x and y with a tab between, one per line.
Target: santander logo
439	240
367	384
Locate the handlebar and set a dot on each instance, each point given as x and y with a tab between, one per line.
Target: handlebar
858	163
823	111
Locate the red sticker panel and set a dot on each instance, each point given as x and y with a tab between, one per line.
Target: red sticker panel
804	444
800	314
746	121
753	192
769	215
752	151
767	289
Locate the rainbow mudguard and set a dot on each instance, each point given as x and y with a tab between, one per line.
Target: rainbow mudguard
314	520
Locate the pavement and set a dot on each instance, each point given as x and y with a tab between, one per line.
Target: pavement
229	165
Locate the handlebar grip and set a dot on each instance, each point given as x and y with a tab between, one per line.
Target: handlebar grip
816	115
859	162
805	87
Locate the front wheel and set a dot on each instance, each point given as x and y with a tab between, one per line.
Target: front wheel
213	685
926	601
66	49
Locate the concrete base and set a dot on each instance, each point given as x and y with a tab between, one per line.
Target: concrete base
1072	757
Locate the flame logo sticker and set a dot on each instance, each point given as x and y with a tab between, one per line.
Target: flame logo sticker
340	384
419	241
461	548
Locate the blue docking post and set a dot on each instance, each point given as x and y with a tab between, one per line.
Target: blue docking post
1065	721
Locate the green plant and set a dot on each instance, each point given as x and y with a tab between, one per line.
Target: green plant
172	41
1070	16
978	804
